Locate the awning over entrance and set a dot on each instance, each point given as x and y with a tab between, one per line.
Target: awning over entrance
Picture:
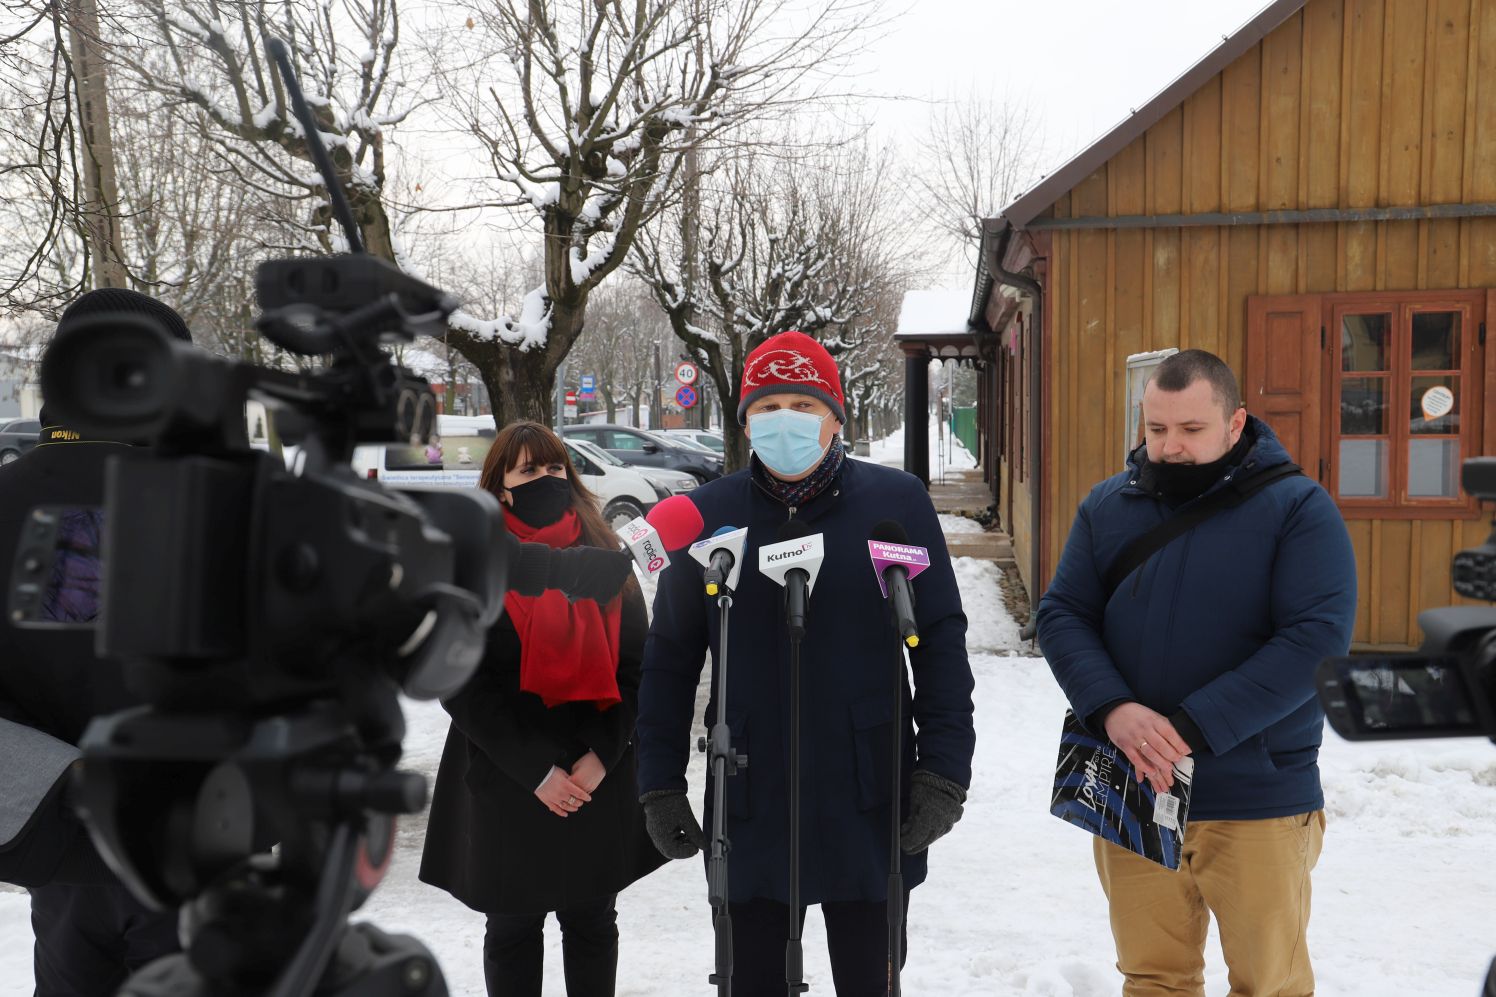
933	325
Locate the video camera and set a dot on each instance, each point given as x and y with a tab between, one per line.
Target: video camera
269	620
1448	687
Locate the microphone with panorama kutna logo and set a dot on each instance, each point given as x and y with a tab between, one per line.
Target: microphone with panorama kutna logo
896	561
721	554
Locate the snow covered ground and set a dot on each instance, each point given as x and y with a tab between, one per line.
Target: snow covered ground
890	450
1403	896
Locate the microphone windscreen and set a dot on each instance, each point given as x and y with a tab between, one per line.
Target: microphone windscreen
678	521
889	532
724	530
792	530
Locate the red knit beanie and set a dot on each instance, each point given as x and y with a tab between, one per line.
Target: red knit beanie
791	362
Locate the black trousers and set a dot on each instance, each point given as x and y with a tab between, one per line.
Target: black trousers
89	939
856	941
514	951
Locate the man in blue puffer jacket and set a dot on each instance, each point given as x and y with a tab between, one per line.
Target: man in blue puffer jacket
1208	649
792	405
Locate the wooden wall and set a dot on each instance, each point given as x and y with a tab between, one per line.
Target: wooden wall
1349	103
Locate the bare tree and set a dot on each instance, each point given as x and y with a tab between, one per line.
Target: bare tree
779	245
44	260
608	99
624	328
979	153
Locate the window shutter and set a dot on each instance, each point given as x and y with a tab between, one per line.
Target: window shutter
1283	384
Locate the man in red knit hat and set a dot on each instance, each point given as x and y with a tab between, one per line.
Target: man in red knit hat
792	406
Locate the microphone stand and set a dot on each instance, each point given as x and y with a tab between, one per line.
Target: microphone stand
724	762
895	853
794	953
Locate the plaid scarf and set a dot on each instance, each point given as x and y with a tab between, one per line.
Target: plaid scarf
797	493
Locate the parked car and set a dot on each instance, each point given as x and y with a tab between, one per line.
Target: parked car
455	456
707	439
638	446
625	492
16	437
674	482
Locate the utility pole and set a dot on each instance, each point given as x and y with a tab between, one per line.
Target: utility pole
655	404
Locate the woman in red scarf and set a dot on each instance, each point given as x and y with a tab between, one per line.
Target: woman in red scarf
534	808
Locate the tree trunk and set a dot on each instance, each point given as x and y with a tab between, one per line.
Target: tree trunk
100	191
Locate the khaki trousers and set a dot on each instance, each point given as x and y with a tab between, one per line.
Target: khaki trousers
1253	875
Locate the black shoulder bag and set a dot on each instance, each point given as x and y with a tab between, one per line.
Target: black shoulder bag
1142	547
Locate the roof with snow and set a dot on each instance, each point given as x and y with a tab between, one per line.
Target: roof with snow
932	312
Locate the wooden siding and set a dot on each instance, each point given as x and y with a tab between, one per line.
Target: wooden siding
1349	103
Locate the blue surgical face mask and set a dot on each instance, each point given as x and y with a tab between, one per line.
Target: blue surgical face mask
788	442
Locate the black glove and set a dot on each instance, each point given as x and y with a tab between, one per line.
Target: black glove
934	808
671	824
589	572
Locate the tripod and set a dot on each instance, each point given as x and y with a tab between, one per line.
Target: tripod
188	805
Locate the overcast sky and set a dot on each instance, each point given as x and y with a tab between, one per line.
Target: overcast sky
1081	64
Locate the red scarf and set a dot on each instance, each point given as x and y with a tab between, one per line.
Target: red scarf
568	651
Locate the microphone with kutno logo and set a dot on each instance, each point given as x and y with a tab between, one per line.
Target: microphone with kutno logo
794	561
669	526
896	561
721	554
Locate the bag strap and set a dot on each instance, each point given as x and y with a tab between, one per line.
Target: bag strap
1144	546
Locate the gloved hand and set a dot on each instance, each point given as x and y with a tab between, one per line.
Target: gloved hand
934	807
589	572
671	824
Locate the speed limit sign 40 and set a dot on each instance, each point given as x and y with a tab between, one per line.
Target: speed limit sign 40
686	372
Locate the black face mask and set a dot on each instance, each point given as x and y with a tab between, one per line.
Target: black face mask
1182	482
542	501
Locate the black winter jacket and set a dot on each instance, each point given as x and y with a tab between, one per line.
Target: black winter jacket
490	842
50	680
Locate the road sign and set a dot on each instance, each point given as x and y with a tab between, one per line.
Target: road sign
588	387
570	409
686	373
685	396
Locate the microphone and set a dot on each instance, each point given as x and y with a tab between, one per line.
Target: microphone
721	554
671	525
794	561
895	562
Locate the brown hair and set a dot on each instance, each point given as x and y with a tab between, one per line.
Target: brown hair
544	447
1180	370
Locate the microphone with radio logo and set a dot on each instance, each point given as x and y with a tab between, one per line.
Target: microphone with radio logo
671	525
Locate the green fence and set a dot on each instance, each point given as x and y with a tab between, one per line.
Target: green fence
964	427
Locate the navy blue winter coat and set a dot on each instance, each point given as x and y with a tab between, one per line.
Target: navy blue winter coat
1227	622
846	693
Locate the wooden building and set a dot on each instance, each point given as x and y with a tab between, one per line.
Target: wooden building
1314	201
